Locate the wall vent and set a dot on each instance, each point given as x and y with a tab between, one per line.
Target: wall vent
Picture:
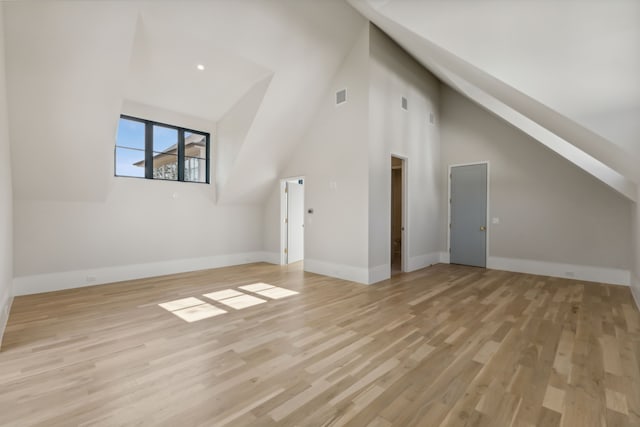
432	118
341	96
404	103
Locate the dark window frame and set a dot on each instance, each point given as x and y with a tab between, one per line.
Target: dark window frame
148	151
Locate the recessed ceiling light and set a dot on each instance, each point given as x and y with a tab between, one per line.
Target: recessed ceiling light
200	67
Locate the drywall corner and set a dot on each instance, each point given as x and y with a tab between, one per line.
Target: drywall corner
6	194
404	100
332	156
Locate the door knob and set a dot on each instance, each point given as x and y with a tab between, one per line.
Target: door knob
483	228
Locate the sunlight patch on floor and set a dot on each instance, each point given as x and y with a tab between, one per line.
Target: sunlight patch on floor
191	309
256	287
198	312
242	301
276	293
181	303
220	295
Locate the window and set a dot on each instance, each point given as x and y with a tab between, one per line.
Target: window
147	149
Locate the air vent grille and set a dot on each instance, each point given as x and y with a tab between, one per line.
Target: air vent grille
341	96
405	104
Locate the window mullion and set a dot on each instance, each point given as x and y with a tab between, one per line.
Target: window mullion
180	154
208	156
148	150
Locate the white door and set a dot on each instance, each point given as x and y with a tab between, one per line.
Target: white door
295	221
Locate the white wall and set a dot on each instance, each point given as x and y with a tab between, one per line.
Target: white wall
65	83
142	228
554	218
6	196
333	158
409	134
75	223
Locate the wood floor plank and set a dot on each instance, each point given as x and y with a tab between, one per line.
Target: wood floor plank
443	346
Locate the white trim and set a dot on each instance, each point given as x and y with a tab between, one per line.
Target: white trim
444	257
379	273
422	261
27	285
404	236
4	317
283	226
340	271
271	257
488	228
613	276
283	216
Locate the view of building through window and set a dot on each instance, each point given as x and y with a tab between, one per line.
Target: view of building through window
177	154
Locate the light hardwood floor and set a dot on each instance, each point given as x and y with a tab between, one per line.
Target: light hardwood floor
447	345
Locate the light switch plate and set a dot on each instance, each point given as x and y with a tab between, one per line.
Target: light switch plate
495	220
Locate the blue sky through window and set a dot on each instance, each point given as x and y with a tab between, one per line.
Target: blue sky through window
130	135
164	138
125	159
130	149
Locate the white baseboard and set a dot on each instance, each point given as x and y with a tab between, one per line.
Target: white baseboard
27	285
379	273
579	272
340	271
421	261
444	257
271	257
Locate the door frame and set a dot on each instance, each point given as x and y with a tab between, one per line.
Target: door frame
283	216
488	225
404	247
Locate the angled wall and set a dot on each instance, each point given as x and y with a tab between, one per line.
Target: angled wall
592	152
232	129
6	195
332	156
555	219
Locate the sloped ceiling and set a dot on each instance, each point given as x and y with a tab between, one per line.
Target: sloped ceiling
71	66
565	72
313	39
163	70
266	65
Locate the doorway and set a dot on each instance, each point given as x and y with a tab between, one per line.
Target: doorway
468	214
292	232
397	215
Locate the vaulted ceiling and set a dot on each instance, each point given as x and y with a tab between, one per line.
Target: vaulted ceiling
565	72
72	66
